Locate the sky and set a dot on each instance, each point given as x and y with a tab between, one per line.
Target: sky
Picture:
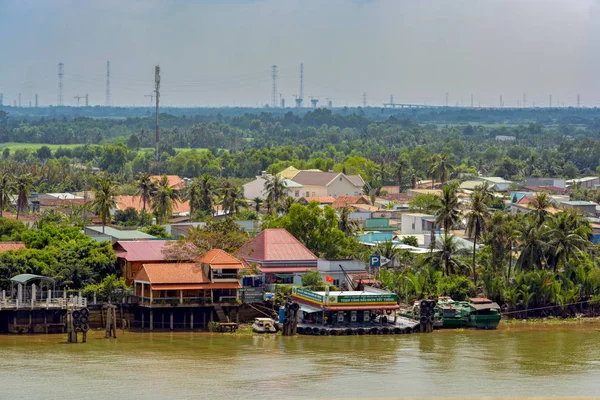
220	52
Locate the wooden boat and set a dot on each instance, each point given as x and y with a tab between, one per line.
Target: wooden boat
264	325
485	314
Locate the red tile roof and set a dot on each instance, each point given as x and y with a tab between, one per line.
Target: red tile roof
285	270
220	259
142	250
526	200
124	202
14	246
172	273
175	182
343	201
275	245
321	199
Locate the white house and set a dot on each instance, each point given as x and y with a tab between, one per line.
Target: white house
416	223
319	183
256	188
332	269
546	182
588	182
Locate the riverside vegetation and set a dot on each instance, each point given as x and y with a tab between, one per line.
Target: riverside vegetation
534	265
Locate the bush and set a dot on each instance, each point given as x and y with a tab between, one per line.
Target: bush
458	287
158	231
410	241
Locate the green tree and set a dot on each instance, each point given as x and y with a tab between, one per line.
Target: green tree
146	190
257	202
275	188
156	230
567	237
477	216
164	200
448	214
23	186
7	188
442	167
346	224
104	200
400	167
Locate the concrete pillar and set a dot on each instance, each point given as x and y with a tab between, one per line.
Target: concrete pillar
94	298
80	299
20	293
143	318
162	319
33	294
150	294
3	295
181	297
171	320
151	319
192	319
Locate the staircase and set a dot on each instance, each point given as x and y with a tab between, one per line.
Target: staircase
221	314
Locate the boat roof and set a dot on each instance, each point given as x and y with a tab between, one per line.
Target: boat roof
486	306
263	319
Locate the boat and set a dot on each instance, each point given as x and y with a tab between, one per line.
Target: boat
478	313
264	325
485	313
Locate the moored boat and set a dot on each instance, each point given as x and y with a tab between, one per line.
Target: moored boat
264	325
485	313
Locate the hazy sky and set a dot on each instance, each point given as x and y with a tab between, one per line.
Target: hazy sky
219	52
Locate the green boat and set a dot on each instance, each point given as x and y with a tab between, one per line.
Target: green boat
479	313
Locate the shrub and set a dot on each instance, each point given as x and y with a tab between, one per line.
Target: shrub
458	287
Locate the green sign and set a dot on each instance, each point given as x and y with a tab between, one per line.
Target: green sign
309	295
379	298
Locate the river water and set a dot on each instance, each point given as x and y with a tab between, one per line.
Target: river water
551	361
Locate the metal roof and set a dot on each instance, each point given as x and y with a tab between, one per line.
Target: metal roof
24	278
119	234
275	245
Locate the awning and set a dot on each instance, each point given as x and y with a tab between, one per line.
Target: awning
361	308
485	306
285	270
309	309
183	286
224	285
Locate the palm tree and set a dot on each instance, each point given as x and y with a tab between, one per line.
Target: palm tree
372	189
477	216
286	203
400	167
275	188
164	200
7	188
104	200
442	167
145	189
208	193
233	198
540	205
257	202
388	250
23	186
567	237
446	258
193	195
345	223
448	214
531	244
432	169
381	173
486	191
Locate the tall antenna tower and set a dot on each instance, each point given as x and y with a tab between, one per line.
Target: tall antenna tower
274	89
501	101
471	100
446	99
36	100
524	100
157	91
107	96
60	84
364	100
578	101
19	99
1	99
550	100
87	100
78	98
301	96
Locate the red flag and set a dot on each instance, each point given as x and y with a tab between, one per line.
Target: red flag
328	279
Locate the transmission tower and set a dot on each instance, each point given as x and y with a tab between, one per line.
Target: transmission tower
157	91
301	96
19	100
36	100
107	95
578	101
87	100
524	100
471	100
274	89
78	98
1	99
550	100
60	84
364	100
446	99
151	95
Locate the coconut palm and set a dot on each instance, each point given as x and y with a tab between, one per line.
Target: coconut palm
208	193
540	204
400	168
477	216
532	245
233	198
164	200
442	167
567	237
145	189
257	202
23	186
447	256
286	203
275	188
486	191
7	188
193	195
345	223
104	200
448	214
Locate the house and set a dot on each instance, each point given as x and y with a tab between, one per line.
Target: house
131	255
417	223
185	292
289	172
495	183
322	200
343	201
588	182
338	270
180	208
175	182
256	188
378	224
108	233
416	192
546	182
318	183
278	256
588	208
59	199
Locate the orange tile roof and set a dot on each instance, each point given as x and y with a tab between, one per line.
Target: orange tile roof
275	244
321	199
343	201
173	273
220	259
175	182
14	246
124	202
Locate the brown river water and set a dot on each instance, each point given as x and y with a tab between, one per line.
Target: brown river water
532	361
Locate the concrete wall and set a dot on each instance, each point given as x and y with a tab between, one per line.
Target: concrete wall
341	186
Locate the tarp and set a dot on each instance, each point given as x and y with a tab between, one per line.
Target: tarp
24	278
309	309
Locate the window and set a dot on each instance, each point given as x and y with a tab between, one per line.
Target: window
314	194
413	226
340	178
307	194
336	283
296	193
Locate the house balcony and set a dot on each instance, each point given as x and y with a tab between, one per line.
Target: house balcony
168	302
